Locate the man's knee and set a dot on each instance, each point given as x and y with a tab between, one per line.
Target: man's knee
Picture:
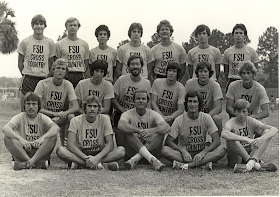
61	152
165	151
120	150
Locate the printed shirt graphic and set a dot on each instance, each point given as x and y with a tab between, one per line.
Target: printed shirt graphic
163	55
210	54
247	129
192	133
31	129
36	55
103	91
75	52
169	97
53	96
234	56
91	136
109	55
256	95
125	88
125	51
150	119
210	93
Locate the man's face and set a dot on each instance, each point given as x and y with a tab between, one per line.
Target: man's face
60	71
241	115
203	74
171	74
39	27
135	34
98	73
239	36
141	100
92	109
202	37
72	27
192	104
247	76
135	67
164	32
102	37
31	108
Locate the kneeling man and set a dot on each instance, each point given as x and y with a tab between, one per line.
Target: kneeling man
90	140
242	147
30	136
191	128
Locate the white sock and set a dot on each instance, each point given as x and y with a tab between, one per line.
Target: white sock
185	166
257	166
250	164
136	157
145	153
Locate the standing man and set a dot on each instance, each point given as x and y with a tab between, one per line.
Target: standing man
249	89
90	140
35	57
204	52
30	136
242	147
97	86
103	51
166	51
135	33
144	129
190	128
168	95
237	54
54	92
75	51
210	90
124	89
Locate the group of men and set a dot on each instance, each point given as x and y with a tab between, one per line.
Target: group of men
137	102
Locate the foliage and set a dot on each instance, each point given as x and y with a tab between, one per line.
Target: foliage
9	82
155	40
122	43
8	34
268	49
191	44
63	35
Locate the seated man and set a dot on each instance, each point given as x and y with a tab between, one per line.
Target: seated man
241	145
190	128
144	129
90	140
30	136
55	92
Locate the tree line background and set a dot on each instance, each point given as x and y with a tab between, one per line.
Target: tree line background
267	49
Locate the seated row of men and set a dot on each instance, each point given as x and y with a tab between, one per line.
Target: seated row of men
31	137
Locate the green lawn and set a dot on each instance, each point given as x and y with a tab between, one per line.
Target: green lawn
143	181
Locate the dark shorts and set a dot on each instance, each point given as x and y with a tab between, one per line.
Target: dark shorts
229	81
28	83
75	77
87	151
160	76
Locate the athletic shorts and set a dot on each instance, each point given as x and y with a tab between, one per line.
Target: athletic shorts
29	83
75	77
160	76
88	151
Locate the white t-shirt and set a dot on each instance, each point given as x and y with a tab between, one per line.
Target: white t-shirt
53	96
91	136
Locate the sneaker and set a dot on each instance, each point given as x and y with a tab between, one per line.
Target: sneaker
130	164
270	167
43	164
17	165
208	166
179	166
240	168
113	166
158	166
74	166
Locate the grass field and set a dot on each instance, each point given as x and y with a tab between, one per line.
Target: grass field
143	181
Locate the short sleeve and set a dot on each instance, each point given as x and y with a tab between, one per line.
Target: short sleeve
175	128
107	125
71	92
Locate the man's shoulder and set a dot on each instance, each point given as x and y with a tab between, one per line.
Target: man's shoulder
232	48
84	81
